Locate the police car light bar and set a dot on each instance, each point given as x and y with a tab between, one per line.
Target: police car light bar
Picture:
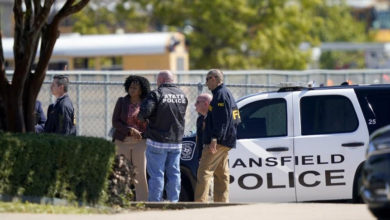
295	86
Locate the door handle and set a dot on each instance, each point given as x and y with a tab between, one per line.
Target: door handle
277	149
353	144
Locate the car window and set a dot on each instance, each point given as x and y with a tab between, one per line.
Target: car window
327	114
264	118
376	108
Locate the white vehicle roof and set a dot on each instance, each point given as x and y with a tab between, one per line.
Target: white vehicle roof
77	45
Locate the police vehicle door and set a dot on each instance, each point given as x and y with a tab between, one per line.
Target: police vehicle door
258	170
329	143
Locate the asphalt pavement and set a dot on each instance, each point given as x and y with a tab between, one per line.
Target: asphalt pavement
274	211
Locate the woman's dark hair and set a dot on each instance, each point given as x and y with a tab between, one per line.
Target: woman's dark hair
142	81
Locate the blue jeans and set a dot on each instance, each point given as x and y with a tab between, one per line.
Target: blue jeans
160	161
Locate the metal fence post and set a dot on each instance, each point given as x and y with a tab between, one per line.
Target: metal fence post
364	78
178	78
326	79
78	118
51	97
381	78
247	82
200	88
268	80
106	95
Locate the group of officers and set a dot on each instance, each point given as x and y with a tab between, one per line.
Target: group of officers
149	127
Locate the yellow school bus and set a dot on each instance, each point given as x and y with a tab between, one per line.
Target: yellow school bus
136	51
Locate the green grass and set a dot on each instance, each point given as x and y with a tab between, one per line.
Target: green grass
19	207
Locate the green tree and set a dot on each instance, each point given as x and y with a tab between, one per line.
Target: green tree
239	34
103	17
342	60
278	29
33	29
336	24
215	29
99	21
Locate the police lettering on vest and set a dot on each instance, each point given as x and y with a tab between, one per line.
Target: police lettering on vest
173	98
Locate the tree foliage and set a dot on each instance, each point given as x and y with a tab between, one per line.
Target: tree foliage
36	29
103	17
242	34
339	26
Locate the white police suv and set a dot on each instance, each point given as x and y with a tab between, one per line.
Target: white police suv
299	144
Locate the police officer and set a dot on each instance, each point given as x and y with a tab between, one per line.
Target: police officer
60	115
164	109
202	107
218	138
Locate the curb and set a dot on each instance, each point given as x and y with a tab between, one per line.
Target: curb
182	205
150	205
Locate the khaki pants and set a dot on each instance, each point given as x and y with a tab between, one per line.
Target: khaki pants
134	150
213	165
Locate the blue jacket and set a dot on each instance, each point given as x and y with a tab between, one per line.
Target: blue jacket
60	117
222	118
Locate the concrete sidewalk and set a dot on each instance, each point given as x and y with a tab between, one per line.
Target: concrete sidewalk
274	211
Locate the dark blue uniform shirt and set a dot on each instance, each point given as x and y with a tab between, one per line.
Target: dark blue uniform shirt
222	118
60	117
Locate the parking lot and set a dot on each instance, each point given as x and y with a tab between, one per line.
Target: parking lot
274	211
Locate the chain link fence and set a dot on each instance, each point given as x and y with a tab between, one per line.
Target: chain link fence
94	103
94	94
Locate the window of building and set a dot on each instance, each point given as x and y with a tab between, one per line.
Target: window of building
111	63
327	114
381	19
83	63
264	118
57	65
